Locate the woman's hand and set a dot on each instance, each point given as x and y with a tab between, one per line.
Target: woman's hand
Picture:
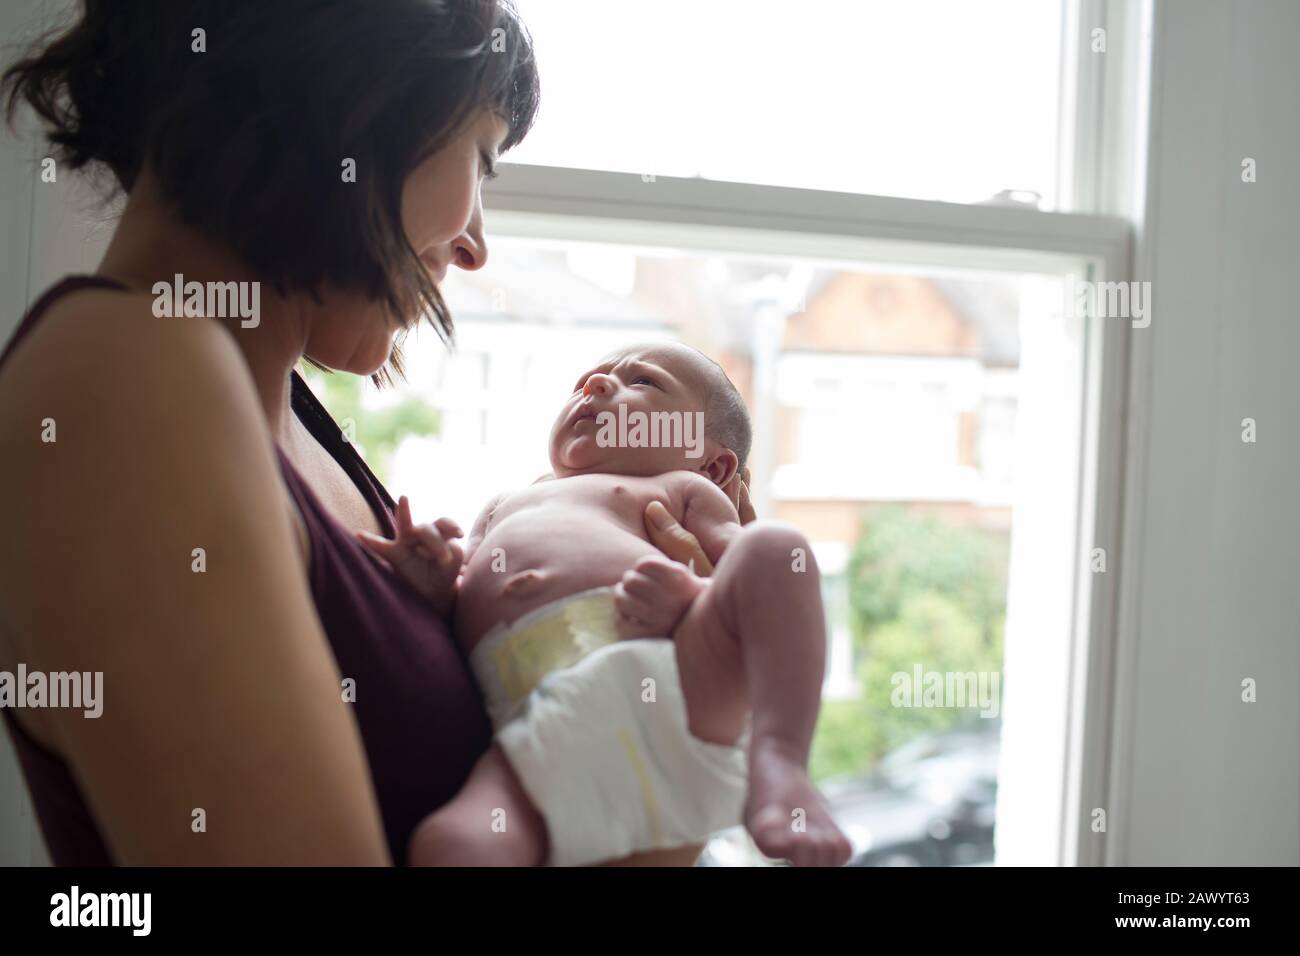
737	489
680	545
654	595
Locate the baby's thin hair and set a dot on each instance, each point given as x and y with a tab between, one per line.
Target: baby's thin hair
726	419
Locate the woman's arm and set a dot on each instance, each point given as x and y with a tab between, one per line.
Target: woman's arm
220	692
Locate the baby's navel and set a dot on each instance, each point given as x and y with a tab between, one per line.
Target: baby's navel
522	583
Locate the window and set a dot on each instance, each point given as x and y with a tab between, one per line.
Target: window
931	99
927	407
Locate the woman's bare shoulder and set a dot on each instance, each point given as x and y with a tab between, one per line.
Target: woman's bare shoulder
104	336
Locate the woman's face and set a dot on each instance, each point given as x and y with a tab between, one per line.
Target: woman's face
442	214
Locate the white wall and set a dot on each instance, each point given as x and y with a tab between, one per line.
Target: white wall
20	842
47	230
1204	778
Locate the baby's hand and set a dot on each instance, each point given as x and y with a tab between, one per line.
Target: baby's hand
653	596
426	556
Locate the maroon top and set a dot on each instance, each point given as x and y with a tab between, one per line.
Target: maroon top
422	719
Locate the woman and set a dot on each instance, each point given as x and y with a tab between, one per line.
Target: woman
183	511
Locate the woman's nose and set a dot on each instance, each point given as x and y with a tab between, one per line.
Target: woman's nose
469	252
469	249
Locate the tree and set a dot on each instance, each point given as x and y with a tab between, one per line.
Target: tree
924	593
377	432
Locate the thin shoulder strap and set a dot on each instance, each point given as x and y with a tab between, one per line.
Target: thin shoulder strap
52	294
327	432
305	404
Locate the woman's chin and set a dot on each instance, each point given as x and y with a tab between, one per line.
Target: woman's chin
362	361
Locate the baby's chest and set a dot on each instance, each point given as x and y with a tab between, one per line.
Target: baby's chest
620	496
604	498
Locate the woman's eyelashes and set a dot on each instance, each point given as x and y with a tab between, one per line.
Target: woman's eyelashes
489	167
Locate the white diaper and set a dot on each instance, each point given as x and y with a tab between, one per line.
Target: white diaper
596	729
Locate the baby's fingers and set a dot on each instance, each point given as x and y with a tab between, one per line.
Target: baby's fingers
386	548
671	579
457	555
631	616
639	588
663	570
403	516
431	544
448	528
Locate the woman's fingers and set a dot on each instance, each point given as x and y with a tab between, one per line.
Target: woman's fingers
746	507
737	489
732	490
674	540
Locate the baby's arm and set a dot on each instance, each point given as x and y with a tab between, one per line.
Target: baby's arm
708	514
654	595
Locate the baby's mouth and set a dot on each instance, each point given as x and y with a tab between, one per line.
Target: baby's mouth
585	413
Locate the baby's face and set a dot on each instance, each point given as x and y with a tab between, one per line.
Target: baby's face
633	401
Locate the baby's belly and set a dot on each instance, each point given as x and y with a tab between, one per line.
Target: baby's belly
532	559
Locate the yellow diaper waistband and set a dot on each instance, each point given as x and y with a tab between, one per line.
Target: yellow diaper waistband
513	659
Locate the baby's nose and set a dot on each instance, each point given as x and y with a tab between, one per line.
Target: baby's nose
597	385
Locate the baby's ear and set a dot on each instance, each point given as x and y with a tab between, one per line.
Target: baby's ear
719	466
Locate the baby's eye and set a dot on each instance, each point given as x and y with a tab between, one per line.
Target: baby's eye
644	378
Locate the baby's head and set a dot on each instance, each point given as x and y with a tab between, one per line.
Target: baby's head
651	409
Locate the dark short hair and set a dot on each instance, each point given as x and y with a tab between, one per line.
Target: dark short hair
248	139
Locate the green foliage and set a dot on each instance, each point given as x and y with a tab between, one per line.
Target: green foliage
377	431
845	742
939	635
920	592
900	554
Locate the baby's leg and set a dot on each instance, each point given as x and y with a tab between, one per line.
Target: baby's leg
755	640
491	822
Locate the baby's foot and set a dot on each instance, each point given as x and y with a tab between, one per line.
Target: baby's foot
786	815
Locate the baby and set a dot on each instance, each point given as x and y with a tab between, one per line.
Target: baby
609	738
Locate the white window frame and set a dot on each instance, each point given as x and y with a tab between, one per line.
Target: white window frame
1103	144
